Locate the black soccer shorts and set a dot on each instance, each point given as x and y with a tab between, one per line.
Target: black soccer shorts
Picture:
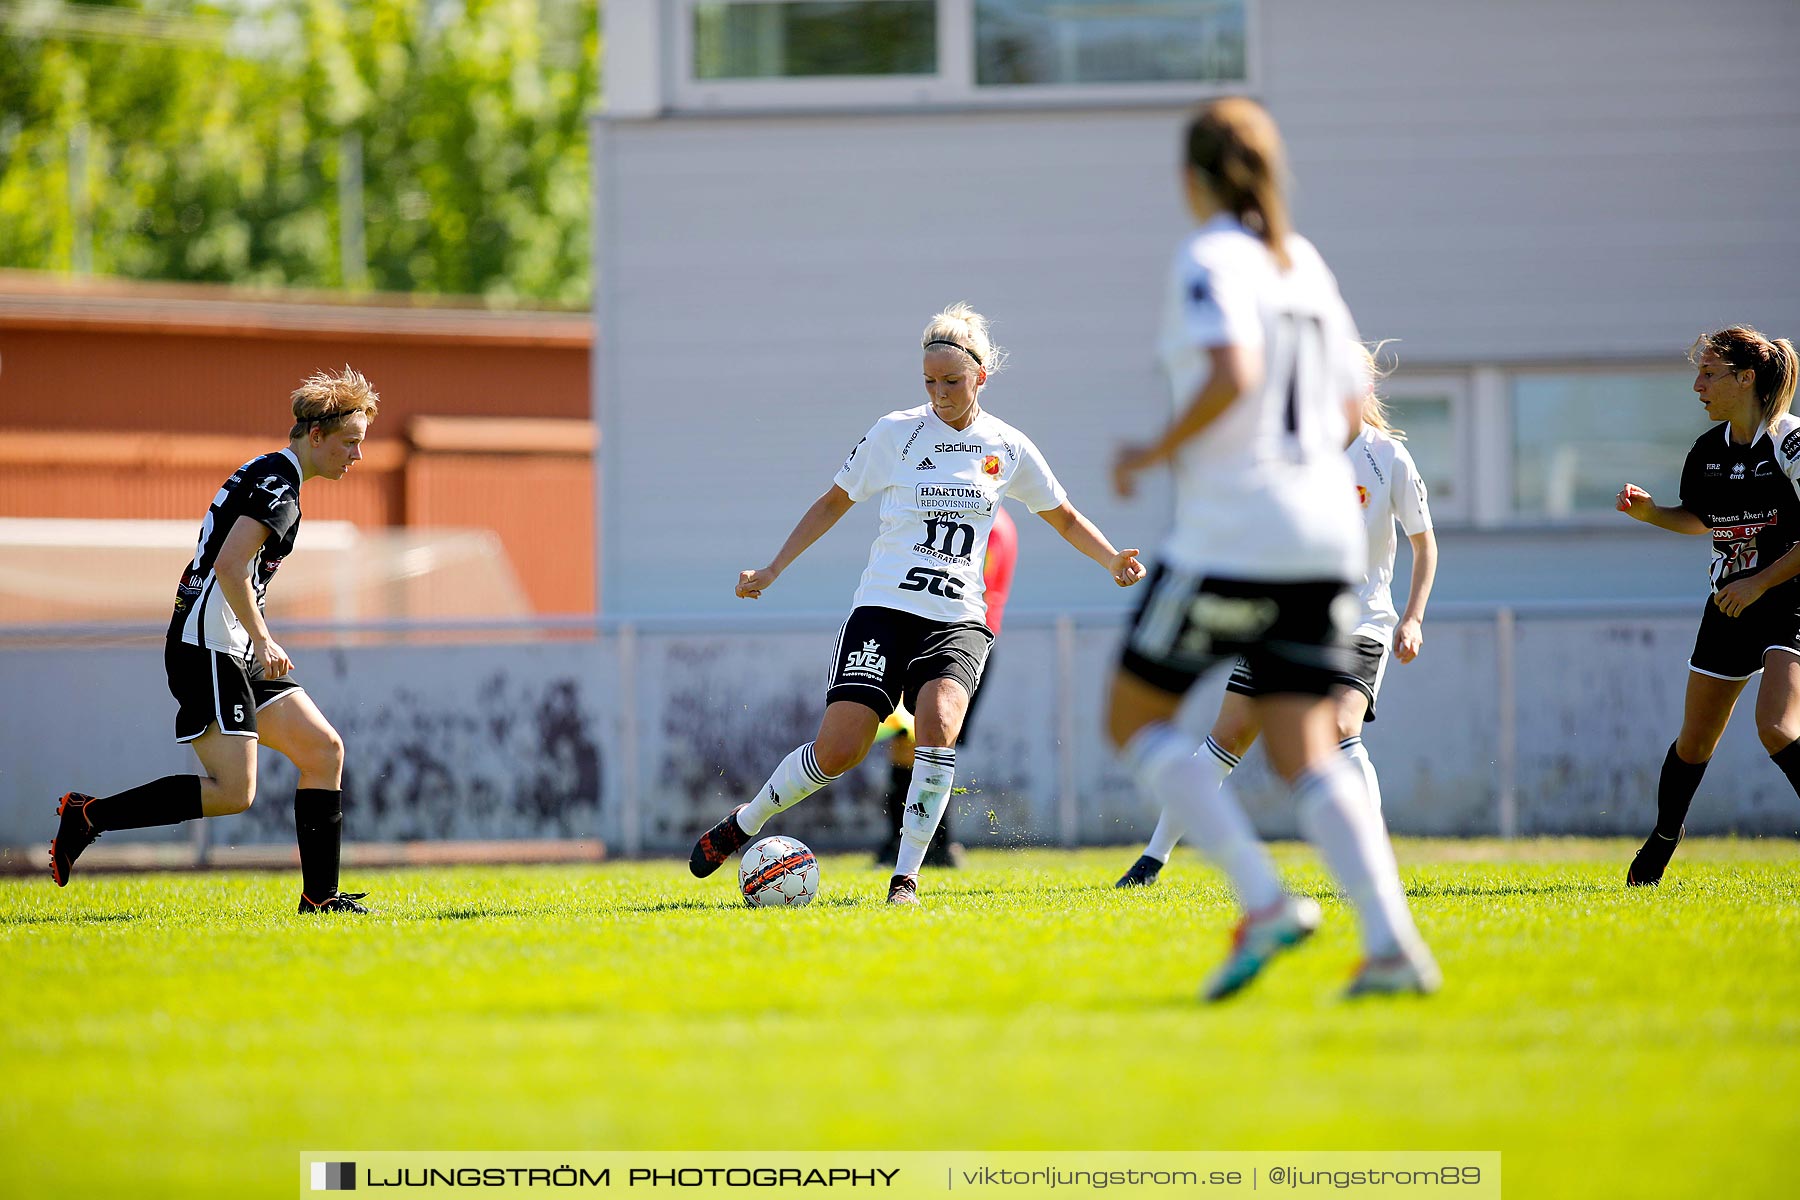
1733	647
1371	659
885	656
1291	634
214	688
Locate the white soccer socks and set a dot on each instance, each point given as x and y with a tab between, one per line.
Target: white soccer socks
1189	784
1338	819
794	780
1169	830
934	774
1355	751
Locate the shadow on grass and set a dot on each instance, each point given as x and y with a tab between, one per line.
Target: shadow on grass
473	914
67	918
1514	888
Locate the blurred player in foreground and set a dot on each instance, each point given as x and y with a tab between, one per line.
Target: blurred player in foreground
1266	543
1388	491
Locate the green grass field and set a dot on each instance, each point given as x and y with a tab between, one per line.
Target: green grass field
188	1035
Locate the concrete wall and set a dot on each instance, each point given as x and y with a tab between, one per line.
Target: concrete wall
643	738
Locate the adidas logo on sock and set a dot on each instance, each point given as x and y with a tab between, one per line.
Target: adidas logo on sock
927	465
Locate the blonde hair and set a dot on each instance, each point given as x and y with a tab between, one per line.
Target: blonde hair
327	397
1374	408
1234	144
967	330
1744	349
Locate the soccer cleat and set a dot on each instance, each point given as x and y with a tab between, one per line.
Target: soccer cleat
903	889
1259	938
1411	971
1142	874
718	844
337	902
1652	859
74	833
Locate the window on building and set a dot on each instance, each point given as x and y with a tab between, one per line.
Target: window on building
1071	42
1430	423
821	54
814	39
1579	436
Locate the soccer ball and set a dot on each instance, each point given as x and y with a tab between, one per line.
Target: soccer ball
776	871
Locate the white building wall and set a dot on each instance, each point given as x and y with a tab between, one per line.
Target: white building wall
1495	183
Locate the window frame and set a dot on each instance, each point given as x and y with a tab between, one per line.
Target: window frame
1459	508
952	86
1504	424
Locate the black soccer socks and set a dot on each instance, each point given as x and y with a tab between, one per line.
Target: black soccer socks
166	801
1788	759
319	828
1675	790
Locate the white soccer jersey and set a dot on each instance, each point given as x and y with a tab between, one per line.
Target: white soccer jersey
939	490
1261	493
1389	489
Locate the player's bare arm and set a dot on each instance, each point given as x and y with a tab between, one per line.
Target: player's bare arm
824	513
1079	532
1409	637
1636	503
1234	372
237	558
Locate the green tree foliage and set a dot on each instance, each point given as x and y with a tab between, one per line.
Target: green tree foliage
202	141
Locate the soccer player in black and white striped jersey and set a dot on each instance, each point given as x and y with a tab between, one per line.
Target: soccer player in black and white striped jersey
1737	487
232	681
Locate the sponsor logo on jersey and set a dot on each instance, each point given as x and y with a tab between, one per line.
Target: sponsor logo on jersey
907	449
954	497
1714	468
958	448
1747	528
925	464
869	662
1373	465
276	486
1790	445
853	450
1737	470
1362	495
991	464
1763	468
941	556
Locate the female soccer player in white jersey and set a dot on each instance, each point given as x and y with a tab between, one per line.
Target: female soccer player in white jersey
1388	492
232	682
1265	546
916	632
1737	484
